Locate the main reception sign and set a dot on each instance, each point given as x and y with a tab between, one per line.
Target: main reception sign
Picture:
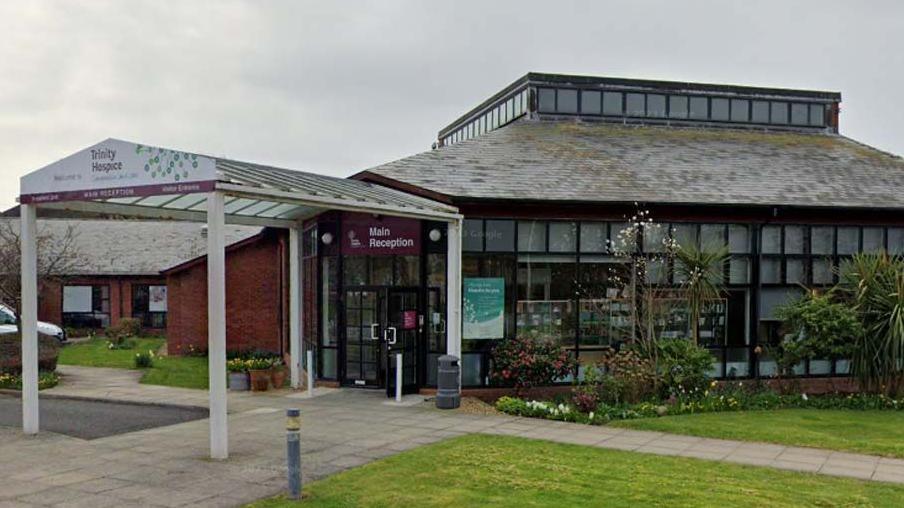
119	169
368	235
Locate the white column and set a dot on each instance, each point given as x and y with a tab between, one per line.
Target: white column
29	318
453	289
295	290
216	325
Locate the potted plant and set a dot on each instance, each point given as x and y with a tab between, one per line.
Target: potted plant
278	373
259	372
238	375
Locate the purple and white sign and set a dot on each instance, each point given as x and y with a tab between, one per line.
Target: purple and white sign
118	169
365	234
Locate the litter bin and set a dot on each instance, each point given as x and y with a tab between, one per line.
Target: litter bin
448	386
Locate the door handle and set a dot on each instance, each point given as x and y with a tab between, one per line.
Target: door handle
390	335
374	334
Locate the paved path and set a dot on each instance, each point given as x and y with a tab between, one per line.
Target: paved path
168	466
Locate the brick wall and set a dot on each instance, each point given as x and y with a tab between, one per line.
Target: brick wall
50	296
255	298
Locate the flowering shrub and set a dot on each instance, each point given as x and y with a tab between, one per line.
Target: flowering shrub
526	363
629	377
144	360
46	379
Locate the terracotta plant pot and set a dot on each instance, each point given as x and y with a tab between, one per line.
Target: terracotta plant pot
238	381
260	380
278	376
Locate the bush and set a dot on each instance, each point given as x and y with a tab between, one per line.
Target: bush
526	363
683	367
629	377
819	328
11	353
124	329
144	360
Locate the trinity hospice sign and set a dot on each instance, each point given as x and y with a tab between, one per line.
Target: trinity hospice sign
483	308
119	169
368	235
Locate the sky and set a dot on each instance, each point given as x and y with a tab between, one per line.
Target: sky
335	87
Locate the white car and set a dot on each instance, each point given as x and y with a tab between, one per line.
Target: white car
8	325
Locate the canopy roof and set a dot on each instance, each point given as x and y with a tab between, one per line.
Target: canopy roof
129	179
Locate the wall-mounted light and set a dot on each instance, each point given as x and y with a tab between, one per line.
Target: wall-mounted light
327	238
435	235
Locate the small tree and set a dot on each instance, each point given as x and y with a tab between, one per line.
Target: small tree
703	275
58	256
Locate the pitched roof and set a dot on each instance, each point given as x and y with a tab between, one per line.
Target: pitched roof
130	247
602	162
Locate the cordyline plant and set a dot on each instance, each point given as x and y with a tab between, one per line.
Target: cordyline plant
874	286
703	274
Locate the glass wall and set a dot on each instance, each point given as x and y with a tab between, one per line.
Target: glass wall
793	256
86	306
564	282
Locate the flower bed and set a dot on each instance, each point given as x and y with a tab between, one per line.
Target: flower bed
46	379
725	397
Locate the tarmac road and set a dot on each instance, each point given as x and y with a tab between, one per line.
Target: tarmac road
90	419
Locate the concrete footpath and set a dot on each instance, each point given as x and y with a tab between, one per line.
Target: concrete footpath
168	466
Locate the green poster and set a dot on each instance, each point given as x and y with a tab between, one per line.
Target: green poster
483	308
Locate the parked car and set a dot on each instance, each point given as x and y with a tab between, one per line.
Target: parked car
8	325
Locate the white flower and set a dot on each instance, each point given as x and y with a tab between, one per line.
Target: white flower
591	415
804	396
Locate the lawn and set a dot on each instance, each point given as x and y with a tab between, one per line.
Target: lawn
873	432
481	470
182	371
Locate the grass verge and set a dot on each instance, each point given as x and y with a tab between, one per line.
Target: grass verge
481	470
180	371
873	432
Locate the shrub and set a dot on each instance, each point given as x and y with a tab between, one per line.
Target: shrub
144	360
124	329
629	377
526	363
11	348
683	367
819	329
586	395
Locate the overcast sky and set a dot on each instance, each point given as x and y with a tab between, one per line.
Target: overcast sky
339	86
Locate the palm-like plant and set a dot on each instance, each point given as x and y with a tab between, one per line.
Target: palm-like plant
874	284
703	274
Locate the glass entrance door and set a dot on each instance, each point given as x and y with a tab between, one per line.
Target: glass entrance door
381	322
363	337
404	324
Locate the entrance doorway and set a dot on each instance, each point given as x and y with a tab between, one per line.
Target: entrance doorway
382	322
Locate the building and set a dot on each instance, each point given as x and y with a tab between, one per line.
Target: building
117	269
546	172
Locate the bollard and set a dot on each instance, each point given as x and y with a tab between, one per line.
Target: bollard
310	372
398	377
293	452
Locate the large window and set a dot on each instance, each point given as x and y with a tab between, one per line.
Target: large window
149	305
86	306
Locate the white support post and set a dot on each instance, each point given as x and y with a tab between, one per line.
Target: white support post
29	318
453	289
216	325
295	290
398	377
